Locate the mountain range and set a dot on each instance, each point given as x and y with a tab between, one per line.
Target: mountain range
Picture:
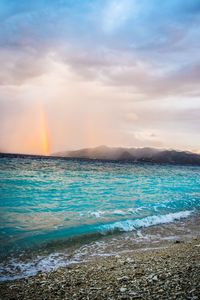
133	155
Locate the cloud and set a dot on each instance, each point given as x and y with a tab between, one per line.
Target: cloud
107	71
18	66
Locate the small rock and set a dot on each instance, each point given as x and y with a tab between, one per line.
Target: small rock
124	278
162	276
192	291
155	278
139	272
131	293
123	289
129	260
178	242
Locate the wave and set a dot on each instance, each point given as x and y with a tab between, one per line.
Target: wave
130	225
16	269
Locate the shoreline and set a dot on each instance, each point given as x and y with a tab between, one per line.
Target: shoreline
169	272
65	253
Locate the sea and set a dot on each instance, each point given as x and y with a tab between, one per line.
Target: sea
56	212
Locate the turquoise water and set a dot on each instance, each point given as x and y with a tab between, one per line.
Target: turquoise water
44	201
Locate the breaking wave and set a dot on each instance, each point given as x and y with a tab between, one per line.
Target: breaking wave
129	225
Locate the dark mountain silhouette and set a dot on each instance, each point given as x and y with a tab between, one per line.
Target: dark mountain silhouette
134	155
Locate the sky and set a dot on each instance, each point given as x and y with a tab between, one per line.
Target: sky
85	73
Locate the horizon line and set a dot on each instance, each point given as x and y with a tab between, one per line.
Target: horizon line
53	154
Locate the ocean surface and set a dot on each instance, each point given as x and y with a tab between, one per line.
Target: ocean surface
54	212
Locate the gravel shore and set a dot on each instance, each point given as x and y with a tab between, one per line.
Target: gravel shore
164	273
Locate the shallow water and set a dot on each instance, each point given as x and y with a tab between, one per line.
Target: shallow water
48	205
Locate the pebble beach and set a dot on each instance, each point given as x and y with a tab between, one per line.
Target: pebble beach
169	272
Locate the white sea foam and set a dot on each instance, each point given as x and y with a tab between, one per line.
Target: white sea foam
135	210
101	213
97	214
129	225
18	269
119	212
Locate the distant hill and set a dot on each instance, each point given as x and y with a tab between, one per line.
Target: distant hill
134	155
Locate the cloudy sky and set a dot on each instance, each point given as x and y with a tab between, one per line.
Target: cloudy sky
90	72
